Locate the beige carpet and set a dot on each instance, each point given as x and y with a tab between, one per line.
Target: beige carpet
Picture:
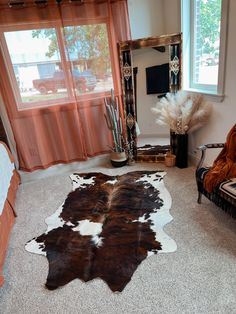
200	277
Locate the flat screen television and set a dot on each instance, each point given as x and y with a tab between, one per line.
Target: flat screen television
157	79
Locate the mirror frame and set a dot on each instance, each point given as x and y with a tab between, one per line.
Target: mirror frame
174	42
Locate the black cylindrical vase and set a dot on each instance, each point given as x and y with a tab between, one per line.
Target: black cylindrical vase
179	147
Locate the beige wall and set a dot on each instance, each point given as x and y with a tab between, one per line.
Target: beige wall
171	13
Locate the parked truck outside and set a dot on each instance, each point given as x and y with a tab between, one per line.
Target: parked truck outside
84	81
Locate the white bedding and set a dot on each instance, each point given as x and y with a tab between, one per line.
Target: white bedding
6	172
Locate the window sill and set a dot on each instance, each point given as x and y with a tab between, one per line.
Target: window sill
207	94
66	101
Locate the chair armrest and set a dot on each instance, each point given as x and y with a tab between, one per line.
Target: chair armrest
214	145
203	149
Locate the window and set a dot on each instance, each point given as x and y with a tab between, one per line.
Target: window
49	65
204	36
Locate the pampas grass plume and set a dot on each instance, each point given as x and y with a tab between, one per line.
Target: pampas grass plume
182	112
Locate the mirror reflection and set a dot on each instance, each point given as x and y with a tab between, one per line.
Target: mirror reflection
152	82
150	67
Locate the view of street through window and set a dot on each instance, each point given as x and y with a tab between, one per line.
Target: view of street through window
39	74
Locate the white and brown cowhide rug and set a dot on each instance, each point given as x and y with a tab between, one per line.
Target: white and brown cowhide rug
106	227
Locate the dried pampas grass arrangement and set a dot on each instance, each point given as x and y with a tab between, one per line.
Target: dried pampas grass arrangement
182	112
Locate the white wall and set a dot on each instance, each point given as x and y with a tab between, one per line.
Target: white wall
146	18
143	58
151	18
224	113
154	17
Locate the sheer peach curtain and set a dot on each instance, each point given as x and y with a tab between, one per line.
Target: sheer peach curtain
63	123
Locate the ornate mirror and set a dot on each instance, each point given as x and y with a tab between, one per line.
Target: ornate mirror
160	79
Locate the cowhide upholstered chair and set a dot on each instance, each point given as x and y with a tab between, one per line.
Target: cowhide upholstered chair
224	195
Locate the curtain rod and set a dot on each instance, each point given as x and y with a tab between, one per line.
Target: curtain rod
17	4
21	4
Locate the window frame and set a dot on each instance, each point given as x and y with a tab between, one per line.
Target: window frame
71	97
7	59
187	28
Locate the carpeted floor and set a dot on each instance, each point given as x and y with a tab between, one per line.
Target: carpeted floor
200	277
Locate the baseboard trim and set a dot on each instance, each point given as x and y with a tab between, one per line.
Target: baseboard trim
64	168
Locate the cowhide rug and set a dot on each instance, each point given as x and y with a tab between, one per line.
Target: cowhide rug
105	228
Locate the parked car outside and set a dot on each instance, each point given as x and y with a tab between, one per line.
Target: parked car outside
208	60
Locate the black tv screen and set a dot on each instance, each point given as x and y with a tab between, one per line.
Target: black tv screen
157	79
